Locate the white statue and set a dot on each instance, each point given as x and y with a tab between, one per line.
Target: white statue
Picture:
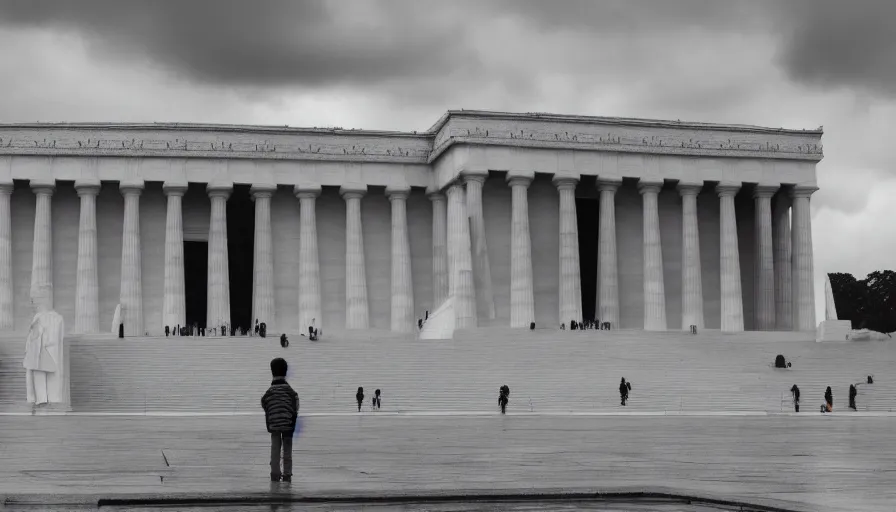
116	319
830	309
46	370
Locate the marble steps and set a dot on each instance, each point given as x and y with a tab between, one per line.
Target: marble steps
669	373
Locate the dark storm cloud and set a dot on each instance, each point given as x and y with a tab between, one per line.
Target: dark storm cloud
267	43
370	43
836	43
345	42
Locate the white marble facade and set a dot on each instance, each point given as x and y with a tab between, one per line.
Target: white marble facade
691	224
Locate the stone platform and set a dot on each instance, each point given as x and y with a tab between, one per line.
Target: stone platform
793	462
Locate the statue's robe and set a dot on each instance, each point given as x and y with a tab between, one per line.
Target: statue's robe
116	319
46	369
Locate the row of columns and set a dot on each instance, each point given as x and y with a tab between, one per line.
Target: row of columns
784	288
218	298
784	285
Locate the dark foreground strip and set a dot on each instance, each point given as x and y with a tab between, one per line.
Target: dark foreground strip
517	497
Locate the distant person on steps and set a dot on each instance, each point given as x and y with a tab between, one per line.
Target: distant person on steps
503	398
795	391
376	402
828	405
359	396
852	396
624	388
281	409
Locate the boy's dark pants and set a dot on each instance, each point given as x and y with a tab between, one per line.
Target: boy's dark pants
281	440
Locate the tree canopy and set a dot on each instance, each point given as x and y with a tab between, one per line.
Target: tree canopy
869	303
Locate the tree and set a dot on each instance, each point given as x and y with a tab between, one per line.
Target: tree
869	303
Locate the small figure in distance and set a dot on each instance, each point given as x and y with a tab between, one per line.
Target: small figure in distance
852	396
780	363
503	398
624	388
359	396
376	403
828	405
795	391
870	379
284	342
281	410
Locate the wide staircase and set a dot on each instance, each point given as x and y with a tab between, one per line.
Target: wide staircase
546	370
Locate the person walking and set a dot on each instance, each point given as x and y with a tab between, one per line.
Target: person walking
359	396
624	388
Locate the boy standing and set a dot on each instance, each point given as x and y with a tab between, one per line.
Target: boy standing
281	408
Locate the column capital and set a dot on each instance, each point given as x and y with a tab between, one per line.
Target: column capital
6	187
519	180
646	186
262	190
306	190
400	192
174	188
803	190
727	188
435	195
219	190
352	191
134	188
765	190
43	186
608	184
564	182
476	175
87	187
689	188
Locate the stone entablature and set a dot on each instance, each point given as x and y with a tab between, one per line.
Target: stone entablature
460	141
645	136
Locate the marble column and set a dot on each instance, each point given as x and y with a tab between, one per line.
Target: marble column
42	249
7	314
802	264
570	292
460	264
263	308
691	268
357	312
309	259
782	263
402	317
482	273
608	272
87	318
764	264
218	299
522	294
439	248
654	285
174	301
131	293
731	297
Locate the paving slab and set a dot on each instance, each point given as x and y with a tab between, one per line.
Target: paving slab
806	462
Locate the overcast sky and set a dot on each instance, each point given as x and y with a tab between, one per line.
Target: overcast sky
400	64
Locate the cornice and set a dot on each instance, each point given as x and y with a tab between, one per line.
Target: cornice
480	128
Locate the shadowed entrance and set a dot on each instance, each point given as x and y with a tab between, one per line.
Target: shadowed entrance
240	248
196	281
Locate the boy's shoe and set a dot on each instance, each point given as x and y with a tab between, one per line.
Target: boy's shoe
287	478
275	478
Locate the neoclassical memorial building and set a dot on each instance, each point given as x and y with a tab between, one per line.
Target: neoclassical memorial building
514	218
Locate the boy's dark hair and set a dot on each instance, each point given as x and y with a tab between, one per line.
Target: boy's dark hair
278	367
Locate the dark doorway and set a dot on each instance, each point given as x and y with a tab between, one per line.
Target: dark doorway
196	281
587	214
240	252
